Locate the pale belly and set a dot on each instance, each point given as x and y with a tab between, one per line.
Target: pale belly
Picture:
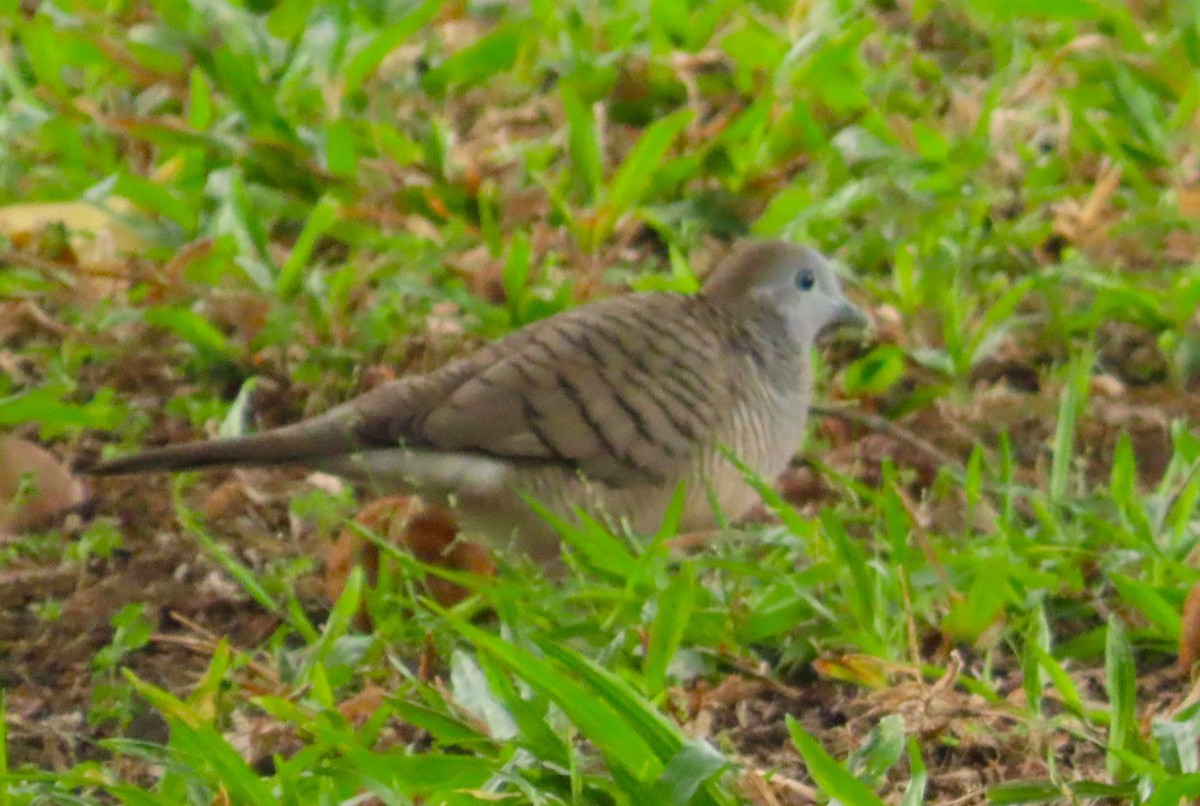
489	496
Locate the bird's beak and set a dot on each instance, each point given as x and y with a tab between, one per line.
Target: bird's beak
848	315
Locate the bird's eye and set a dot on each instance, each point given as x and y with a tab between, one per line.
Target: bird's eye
805	279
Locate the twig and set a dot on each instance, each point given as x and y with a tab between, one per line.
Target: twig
885	426
779	780
65	273
208	640
742	668
914	648
40	317
759	792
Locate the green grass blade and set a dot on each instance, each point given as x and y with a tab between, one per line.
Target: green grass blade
596	718
5	795
631	181
880	751
191	735
322	217
1153	605
675	606
664	737
1120	683
832	778
696	763
240	573
918	780
477	62
1074	397
366	60
583	142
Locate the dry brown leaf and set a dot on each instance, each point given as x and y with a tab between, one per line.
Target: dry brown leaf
732	690
1189	201
35	488
258	737
1086	222
1189	634
1104	189
359	708
225	500
1182	246
888	324
756	790
350	550
429	532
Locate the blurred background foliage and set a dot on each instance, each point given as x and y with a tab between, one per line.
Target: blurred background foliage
214	212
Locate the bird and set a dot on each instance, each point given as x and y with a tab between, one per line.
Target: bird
606	408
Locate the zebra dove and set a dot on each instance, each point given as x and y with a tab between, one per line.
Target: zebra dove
607	407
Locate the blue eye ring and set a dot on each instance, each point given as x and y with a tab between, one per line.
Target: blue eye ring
806	279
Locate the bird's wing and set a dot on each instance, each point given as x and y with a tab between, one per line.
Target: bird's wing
622	390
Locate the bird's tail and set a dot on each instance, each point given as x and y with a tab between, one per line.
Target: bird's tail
297	444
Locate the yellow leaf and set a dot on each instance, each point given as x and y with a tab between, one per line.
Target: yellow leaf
97	235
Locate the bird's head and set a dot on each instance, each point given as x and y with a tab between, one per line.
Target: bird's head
797	281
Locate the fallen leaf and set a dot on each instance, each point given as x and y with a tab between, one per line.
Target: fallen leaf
429	532
98	237
358	709
1182	245
1101	193
35	488
861	670
350	550
224	501
1189	201
1189	634
84	221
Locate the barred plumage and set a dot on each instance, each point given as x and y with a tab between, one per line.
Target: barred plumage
607	407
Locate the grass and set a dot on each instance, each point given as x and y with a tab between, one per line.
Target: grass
214	211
